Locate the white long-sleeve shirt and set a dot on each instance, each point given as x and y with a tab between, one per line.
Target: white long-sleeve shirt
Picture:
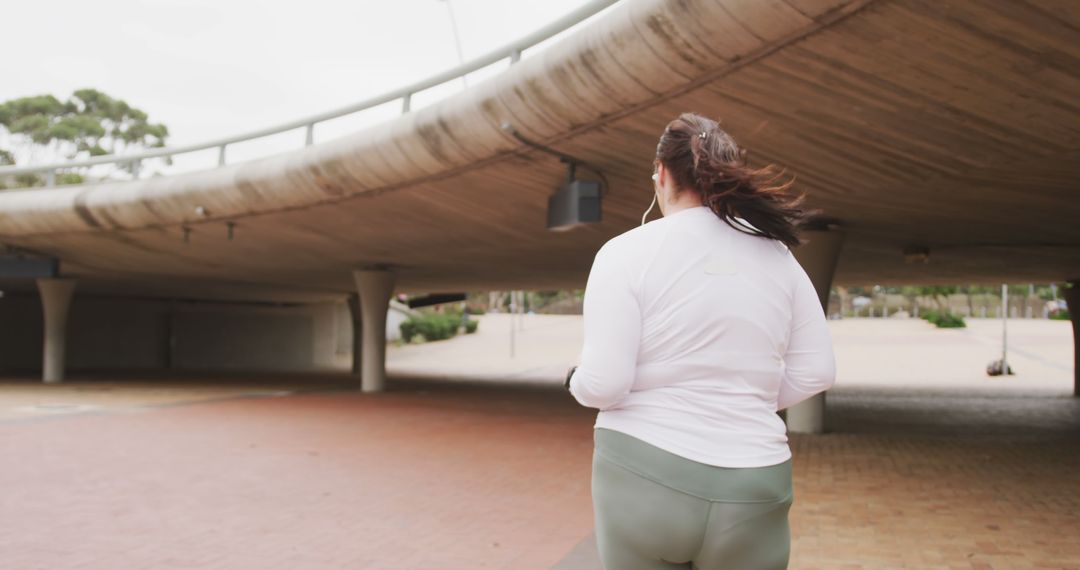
696	334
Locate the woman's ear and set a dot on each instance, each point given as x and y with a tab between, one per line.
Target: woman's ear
661	181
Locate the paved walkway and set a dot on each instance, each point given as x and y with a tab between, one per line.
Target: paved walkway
423	476
870	352
28	398
299	473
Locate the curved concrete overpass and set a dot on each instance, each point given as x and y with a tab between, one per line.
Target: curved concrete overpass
952	127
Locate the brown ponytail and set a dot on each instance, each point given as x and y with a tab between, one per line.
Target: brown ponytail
704	159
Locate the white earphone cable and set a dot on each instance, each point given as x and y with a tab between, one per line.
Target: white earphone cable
646	214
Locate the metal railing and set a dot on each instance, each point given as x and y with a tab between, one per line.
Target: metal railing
511	52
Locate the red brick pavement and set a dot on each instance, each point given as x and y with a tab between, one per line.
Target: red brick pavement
454	476
433	478
893	502
939	480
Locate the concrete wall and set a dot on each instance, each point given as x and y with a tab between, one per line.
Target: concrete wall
110	333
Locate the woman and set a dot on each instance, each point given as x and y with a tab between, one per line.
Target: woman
699	327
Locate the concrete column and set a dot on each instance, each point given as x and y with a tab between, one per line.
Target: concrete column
375	287
1072	297
55	301
357	332
818	256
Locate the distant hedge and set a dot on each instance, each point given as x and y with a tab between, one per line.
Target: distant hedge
435	326
944	320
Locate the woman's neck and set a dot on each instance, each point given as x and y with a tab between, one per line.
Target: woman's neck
686	201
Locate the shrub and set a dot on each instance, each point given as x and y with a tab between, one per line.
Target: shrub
69	178
1060	316
438	327
408	330
434	326
944	320
950	321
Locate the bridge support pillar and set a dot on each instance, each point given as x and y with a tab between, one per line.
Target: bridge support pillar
55	301
1072	297
357	332
818	256
375	287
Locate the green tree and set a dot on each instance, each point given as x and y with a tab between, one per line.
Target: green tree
89	123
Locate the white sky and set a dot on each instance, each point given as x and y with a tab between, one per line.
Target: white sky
213	68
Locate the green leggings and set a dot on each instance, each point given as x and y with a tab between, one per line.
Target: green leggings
658	510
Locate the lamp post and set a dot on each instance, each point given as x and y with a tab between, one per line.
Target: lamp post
457	38
1005	329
